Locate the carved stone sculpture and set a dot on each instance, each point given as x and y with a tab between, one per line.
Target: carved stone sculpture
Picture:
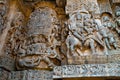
39	45
59	39
109	39
83	33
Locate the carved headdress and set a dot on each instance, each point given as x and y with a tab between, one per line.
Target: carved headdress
41	21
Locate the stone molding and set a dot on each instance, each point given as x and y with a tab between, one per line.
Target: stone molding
87	70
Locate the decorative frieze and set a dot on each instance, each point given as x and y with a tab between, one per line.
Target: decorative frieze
87	70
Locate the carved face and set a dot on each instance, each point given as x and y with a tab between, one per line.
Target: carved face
78	16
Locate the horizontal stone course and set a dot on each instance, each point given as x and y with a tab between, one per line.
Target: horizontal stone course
87	70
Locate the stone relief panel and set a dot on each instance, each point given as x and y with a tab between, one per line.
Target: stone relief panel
88	70
84	32
91	31
39	48
85	38
3	74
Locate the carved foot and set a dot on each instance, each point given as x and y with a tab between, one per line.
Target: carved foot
51	65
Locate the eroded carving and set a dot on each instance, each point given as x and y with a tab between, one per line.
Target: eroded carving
40	45
108	36
84	33
2	15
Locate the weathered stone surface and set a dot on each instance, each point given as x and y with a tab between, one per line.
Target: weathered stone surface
3	74
73	38
95	59
77	5
40	44
88	70
7	62
31	75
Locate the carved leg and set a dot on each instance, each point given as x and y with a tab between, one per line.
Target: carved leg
92	46
50	64
115	45
105	49
72	49
107	43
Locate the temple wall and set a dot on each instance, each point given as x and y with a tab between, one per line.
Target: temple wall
59	39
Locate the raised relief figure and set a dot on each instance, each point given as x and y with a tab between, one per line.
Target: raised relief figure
39	50
108	27
75	38
93	37
84	37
